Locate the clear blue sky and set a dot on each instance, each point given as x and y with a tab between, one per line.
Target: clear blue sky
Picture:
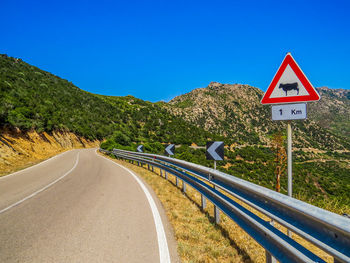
155	50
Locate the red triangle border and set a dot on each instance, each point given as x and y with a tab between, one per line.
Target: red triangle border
288	60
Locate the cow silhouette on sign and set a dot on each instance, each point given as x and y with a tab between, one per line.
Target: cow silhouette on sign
289	86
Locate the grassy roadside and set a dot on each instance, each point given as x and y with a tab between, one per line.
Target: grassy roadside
199	238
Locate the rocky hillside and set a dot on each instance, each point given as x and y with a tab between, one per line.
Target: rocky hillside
42	114
333	110
33	99
321	145
235	112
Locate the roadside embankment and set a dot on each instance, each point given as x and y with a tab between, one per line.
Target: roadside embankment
198	238
19	149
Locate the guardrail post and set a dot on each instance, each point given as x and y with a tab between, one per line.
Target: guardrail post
166	175
148	166
161	172
177	181
216	212
269	257
183	184
204	202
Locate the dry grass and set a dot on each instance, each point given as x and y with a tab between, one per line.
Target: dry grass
199	238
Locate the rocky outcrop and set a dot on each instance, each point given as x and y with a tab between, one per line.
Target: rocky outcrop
235	111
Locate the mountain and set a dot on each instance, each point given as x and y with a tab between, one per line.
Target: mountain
36	103
235	111
333	110
321	146
33	99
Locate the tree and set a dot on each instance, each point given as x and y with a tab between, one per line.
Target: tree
280	158
121	138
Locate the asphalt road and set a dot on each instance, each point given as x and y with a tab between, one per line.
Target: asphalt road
81	207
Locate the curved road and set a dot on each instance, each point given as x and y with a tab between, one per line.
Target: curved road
81	207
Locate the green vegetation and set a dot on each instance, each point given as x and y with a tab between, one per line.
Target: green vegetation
333	111
35	99
323	183
320	183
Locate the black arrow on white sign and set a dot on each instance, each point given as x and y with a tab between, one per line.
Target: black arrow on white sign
215	151
140	148
170	149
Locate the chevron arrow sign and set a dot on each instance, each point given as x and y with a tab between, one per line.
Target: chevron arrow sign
140	148
170	149
215	151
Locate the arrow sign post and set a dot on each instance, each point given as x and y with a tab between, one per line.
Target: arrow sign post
140	148
215	151
170	149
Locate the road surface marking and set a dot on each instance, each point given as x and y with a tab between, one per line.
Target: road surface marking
164	256
42	189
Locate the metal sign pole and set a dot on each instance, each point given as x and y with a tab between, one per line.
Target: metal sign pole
216	210
177	179
165	173
183	185
289	157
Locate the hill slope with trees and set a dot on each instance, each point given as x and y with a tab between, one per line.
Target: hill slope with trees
235	111
35	100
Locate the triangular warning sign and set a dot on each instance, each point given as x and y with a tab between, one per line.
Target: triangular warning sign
289	85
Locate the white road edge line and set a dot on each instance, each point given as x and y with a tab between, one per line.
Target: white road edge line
42	189
36	165
164	256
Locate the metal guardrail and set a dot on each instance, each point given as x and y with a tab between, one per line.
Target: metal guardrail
328	231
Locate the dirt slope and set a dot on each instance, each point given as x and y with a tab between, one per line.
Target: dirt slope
19	150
